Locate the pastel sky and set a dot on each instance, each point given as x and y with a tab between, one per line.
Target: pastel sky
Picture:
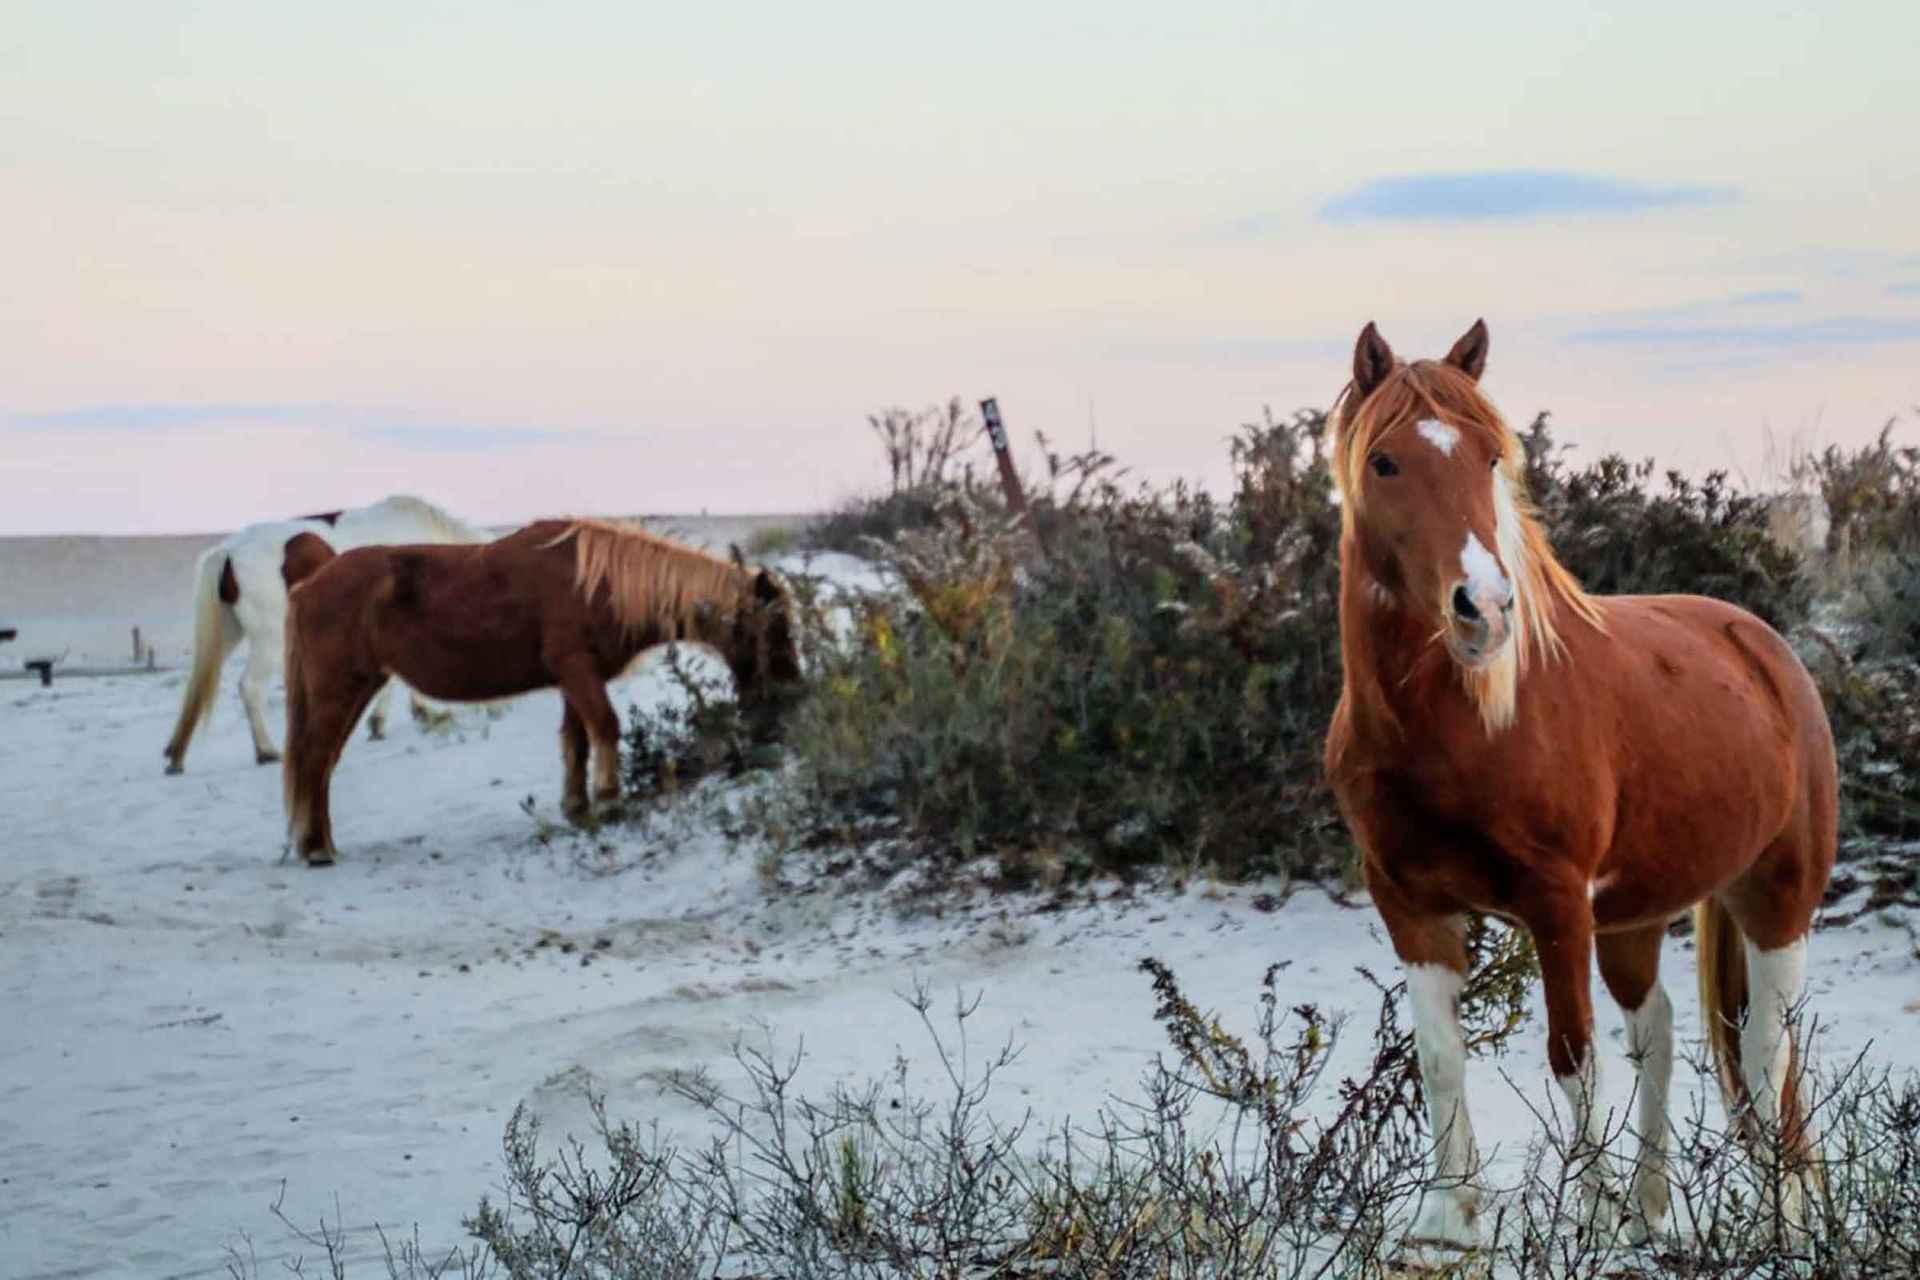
529	258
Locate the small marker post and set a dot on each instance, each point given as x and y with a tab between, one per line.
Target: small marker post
1009	477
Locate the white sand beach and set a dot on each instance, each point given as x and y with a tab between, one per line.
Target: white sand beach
195	1025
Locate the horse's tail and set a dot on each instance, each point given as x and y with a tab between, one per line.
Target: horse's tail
1721	951
216	630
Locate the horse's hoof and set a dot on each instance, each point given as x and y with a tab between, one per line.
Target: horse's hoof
1446	1222
375	733
174	766
319	857
266	757
576	810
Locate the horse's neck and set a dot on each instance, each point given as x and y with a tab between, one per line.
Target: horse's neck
1395	674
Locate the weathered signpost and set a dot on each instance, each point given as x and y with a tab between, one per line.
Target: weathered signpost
1009	475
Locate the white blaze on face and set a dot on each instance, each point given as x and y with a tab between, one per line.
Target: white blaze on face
1482	570
1439	435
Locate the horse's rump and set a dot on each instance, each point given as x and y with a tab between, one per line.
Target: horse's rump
305	554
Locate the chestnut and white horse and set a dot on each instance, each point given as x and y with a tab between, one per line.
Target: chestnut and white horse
240	592
1590	767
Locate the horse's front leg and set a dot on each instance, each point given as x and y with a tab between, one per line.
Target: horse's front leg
1562	928
586	696
573	755
1433	950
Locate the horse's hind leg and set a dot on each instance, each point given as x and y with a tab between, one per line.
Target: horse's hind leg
332	704
1630	966
263	657
1773	905
377	715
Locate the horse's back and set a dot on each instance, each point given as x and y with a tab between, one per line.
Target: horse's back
1693	652
402	519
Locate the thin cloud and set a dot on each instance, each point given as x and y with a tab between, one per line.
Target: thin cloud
1508	195
1827	332
462	439
1904	289
162	417
1768	298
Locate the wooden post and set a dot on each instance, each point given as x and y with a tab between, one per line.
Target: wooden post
136	643
1009	477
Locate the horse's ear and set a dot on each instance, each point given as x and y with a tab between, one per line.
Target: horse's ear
1469	355
733	550
766	587
1372	361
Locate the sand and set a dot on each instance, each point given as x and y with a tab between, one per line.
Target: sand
195	1026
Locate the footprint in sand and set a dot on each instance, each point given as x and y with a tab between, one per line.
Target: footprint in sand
56	897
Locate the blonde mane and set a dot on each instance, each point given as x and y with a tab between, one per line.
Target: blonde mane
652	583
1542	585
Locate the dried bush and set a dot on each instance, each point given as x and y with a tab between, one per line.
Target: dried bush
1239	1159
926	457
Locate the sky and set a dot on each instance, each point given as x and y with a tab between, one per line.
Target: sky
536	258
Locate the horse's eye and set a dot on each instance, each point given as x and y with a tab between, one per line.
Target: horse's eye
1384	466
1496	462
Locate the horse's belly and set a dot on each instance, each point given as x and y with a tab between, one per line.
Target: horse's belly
470	668
1692	818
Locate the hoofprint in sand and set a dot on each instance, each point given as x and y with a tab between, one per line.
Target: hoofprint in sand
193	1021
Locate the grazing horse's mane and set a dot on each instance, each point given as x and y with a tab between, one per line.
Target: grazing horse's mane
1542	585
652	582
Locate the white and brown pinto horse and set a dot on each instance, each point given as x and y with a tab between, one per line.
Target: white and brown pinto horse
1590	767
240	593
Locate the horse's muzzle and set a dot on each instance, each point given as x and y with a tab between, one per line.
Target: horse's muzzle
1479	622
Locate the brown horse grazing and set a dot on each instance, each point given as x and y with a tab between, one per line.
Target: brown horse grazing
1589	767
566	603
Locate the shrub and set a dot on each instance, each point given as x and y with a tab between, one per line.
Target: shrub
1620	532
1156	687
1865	651
1153	689
699	733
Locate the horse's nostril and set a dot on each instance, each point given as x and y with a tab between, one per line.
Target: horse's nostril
1463	607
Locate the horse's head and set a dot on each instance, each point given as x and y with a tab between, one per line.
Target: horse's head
1426	471
762	651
